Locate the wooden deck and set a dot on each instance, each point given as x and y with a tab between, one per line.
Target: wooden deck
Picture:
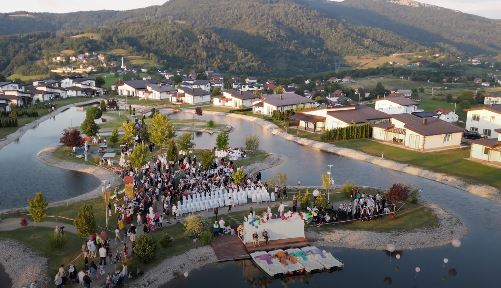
229	248
278	244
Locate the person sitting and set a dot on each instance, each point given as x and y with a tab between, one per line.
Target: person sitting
215	229
222	226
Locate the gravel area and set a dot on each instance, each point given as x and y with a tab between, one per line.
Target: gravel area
177	266
449	228
271	161
23	265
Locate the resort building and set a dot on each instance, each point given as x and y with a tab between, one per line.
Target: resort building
340	117
395	104
235	99
484	120
493	99
423	134
282	103
193	96
488	150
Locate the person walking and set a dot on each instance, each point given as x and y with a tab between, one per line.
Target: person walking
102	255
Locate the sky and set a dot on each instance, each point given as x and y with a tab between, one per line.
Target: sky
486	8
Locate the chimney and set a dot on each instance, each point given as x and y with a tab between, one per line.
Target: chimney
425	121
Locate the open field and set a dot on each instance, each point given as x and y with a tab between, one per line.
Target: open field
366	62
27	78
89	35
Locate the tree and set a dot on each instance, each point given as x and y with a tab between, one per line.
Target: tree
102	106
279	179
144	248
172	151
129	132
161	130
321	201
71	138
100	81
177	79
222	141
37	207
379	90
216	91
279	90
93	112
114	137
184	142
258	93
252	143
398	193
139	156
238	176
193	225
85	220
89	127
206	158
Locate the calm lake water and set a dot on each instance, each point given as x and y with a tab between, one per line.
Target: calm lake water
22	174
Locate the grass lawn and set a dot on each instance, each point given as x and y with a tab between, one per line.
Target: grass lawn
432	105
451	162
27	78
410	217
37	238
252	158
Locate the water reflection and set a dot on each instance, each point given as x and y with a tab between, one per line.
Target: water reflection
22	174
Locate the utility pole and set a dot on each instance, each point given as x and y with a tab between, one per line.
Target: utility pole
330	181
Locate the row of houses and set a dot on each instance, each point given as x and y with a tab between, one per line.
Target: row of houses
15	94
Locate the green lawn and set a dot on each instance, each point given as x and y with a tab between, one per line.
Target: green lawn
431	105
451	162
37	238
252	158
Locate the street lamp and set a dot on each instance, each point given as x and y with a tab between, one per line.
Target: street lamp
330	180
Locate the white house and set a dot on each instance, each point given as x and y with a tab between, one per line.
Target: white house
160	92
133	87
194	96
235	99
341	117
43	96
58	92
197	84
488	150
76	91
4	86
493	99
281	102
18	97
484	120
447	115
5	103
396	105
423	134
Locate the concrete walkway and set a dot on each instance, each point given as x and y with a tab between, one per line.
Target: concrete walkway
11	224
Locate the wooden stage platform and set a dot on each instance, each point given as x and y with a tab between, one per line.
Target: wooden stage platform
278	244
229	248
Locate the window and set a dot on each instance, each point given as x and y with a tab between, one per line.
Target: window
474	129
486	150
447	137
487	132
475	117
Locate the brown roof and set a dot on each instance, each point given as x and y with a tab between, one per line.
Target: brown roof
492	143
400	100
308	118
360	114
492	108
243	95
427	126
497	94
383	125
497	130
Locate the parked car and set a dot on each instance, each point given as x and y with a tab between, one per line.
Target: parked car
472	135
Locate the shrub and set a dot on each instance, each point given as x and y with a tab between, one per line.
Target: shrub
37	207
57	241
193	226
414	197
206	158
211	124
238	176
304	199
251	143
144	248
206	237
71	138
398	193
85	220
347	188
23	222
321	201
166	240
222	141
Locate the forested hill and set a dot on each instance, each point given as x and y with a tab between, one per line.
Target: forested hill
282	37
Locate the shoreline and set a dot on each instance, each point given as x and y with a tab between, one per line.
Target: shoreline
449	228
481	190
14	136
45	156
269	162
14	258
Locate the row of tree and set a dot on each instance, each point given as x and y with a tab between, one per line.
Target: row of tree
347	133
8	122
